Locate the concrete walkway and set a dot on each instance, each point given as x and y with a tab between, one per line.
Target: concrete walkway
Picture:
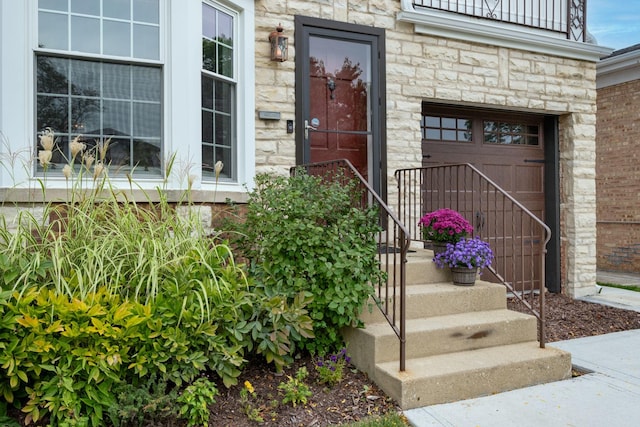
609	395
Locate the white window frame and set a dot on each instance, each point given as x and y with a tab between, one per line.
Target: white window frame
233	80
181	56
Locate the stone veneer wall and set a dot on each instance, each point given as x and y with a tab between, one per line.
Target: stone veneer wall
421	67
618	177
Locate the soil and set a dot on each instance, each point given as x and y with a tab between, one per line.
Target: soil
356	397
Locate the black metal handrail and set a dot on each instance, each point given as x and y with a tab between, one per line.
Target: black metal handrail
393	244
517	237
568	17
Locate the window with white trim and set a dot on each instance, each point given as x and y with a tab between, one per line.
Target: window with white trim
219	84
99	76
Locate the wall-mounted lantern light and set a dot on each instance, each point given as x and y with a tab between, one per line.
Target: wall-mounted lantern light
279	45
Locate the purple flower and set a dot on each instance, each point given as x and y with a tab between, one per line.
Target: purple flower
466	253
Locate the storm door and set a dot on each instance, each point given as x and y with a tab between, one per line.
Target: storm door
339	106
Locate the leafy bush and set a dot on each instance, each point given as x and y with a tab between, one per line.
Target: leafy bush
110	293
302	234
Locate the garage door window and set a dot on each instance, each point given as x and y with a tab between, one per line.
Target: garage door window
447	129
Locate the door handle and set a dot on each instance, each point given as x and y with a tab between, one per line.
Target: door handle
479	221
307	126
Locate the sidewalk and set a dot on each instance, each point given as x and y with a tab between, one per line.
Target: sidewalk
606	396
615	297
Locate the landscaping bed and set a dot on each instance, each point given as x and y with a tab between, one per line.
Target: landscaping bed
356	397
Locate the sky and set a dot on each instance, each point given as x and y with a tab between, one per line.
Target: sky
614	23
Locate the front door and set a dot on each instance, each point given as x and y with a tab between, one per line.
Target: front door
339	108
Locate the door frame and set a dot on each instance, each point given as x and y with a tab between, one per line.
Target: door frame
306	26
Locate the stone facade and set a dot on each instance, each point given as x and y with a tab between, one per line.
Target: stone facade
429	68
420	66
618	175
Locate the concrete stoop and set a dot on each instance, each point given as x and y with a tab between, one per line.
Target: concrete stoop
462	342
465	375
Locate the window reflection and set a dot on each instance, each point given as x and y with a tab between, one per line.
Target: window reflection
218	94
340	73
102	101
496	132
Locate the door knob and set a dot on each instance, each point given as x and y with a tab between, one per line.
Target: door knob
307	126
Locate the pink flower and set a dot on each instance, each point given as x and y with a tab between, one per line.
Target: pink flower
444	225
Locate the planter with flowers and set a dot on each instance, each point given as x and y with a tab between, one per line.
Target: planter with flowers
444	226
465	258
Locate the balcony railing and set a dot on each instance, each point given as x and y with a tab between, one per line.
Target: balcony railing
563	16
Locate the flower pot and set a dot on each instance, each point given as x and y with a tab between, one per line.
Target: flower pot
464	276
438	248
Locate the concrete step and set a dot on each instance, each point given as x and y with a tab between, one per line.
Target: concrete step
420	268
469	374
461	342
377	343
439	299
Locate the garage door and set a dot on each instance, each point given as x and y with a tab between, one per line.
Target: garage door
508	148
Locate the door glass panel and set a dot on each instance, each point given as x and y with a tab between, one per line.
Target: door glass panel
340	105
340	75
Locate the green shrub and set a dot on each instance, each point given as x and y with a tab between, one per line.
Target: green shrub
66	355
295	389
110	294
145	404
305	235
195	401
104	293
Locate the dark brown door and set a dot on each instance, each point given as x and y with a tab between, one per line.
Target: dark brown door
339	95
509	149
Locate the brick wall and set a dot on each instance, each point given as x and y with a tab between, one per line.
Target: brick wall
618	177
422	67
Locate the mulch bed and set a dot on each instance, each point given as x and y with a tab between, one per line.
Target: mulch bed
356	397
